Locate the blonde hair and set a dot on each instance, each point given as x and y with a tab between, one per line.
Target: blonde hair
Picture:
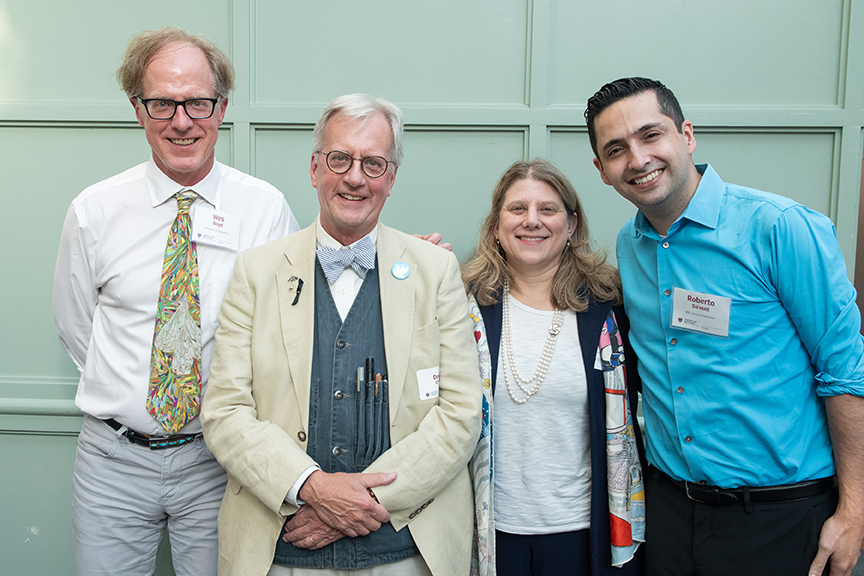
143	47
583	271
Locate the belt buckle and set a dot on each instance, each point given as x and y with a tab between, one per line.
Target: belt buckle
161	444
718	497
690	496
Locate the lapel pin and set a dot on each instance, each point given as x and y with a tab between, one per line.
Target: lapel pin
401	270
299	288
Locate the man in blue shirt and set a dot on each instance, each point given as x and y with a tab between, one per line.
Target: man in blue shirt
750	352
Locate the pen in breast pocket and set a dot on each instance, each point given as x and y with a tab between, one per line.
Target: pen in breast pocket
370	369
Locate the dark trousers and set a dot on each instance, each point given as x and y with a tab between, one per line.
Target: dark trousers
563	554
686	538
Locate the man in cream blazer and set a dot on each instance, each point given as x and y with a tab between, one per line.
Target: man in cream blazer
265	381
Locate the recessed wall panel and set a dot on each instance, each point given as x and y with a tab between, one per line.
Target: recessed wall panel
52	166
444	184
449	52
282	158
772	52
798	165
793	164
36	531
69	51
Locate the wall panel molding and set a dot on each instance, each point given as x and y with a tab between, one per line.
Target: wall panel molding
776	94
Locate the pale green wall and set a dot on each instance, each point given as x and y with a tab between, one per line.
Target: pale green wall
775	89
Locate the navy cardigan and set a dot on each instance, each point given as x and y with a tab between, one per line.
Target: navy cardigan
590	325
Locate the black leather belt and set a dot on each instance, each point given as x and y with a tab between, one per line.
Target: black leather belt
154	443
716	496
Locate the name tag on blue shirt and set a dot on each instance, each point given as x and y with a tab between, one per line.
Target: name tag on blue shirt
700	312
216	229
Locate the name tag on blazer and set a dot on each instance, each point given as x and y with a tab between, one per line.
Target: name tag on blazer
427	383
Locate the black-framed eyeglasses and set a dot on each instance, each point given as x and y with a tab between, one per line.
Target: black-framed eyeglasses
197	108
340	162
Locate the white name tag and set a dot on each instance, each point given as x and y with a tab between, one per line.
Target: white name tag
216	229
427	383
700	312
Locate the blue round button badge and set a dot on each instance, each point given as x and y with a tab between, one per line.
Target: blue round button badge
401	270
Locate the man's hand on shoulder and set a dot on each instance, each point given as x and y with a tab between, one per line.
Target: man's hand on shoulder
435	238
342	501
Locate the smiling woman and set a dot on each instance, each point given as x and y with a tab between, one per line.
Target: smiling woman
549	306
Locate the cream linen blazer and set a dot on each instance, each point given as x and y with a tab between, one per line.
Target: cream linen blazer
255	411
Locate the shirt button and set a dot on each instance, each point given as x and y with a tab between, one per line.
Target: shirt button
344	290
680	390
665	244
338	395
688	439
337	450
340	344
674	341
667	292
301	435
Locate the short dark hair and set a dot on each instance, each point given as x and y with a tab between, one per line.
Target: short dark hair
624	88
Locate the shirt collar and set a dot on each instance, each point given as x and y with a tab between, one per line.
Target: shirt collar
324	239
703	208
162	187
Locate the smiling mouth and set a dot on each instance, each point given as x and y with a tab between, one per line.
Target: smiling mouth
647	178
531	238
182	141
350	197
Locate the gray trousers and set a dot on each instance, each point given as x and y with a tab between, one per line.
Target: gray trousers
124	496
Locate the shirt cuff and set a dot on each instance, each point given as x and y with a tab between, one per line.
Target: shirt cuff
292	497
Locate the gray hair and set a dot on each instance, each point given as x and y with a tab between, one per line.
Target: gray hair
361	107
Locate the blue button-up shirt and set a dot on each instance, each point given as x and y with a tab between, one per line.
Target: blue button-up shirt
744	409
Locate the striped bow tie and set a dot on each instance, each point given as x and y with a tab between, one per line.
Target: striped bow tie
360	256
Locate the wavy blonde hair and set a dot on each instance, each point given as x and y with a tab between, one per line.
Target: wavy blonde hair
583	271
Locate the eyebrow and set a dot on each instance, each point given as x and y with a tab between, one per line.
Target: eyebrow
642	129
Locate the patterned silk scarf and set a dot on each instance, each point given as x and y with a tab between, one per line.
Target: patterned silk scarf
626	492
174	396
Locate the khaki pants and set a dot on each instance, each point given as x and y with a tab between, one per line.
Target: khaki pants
414	566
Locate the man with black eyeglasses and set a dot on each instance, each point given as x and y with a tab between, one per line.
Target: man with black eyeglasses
144	259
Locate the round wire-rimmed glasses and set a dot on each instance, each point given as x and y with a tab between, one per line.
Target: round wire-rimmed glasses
340	162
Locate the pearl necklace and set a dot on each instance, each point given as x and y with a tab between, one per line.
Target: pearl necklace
545	357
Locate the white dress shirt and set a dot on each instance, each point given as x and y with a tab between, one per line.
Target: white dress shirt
109	268
348	284
344	291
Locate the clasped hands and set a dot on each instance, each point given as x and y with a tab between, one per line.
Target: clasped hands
336	505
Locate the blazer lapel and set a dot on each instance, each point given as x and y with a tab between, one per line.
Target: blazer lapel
397	310
298	320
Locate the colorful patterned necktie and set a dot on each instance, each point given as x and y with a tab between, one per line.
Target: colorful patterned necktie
174	397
